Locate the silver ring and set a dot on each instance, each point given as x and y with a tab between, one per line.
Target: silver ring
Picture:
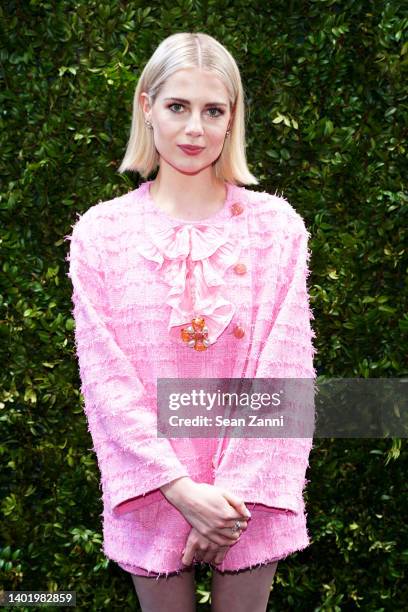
236	527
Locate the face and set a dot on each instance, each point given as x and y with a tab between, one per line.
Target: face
191	109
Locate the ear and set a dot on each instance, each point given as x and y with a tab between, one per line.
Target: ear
144	101
232	117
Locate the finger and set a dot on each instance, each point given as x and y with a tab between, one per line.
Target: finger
229	524
211	552
232	525
188	555
237	503
209	556
220	537
220	556
225	537
230	538
231	520
202	548
230	534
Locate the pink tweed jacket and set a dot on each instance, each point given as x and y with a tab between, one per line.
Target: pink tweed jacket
138	275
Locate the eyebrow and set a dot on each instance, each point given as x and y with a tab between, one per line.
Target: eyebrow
187	102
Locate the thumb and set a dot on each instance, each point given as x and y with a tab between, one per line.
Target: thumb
237	503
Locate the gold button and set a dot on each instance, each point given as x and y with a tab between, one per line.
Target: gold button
237	209
239	331
240	268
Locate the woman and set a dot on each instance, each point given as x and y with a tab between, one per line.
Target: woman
191	275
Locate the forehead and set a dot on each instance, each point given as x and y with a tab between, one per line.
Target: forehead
195	85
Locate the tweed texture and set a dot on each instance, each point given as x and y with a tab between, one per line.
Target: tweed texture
138	275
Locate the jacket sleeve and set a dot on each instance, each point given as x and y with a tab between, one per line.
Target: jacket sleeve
288	350
274	468
121	414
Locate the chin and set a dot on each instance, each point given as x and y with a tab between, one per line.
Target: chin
190	172
191	167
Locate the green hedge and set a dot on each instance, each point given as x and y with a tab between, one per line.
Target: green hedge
326	93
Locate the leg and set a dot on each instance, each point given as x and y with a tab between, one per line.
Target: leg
166	594
244	590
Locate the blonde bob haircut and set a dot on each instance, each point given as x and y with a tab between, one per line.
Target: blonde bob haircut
190	50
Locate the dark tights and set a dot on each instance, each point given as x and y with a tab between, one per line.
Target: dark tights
238	591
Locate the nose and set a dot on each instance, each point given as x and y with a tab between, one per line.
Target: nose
194	126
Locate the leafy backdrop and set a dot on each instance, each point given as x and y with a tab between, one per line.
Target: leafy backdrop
326	97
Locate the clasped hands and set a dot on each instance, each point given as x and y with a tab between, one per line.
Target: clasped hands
212	513
203	549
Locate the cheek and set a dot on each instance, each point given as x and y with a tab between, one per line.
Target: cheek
166	125
217	138
165	136
166	128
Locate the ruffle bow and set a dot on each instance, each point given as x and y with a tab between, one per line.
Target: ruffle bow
193	260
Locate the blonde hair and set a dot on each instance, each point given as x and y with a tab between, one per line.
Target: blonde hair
189	50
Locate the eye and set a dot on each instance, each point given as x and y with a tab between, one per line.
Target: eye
221	112
213	108
174	104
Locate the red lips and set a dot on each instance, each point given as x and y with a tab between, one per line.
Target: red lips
191	148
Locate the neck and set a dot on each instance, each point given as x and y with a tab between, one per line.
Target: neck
189	197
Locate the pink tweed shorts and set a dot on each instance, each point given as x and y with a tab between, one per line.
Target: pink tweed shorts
272	535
